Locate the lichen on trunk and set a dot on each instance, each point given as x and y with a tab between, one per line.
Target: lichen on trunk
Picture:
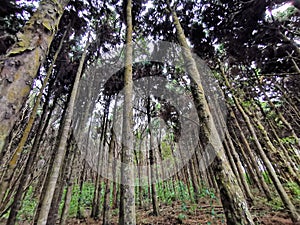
20	65
234	203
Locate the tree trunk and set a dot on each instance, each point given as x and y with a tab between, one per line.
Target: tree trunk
152	161
97	191
282	193
60	185
281	117
253	161
127	197
70	183
20	66
83	171
106	203
61	151
82	178
11	166
239	166
234	203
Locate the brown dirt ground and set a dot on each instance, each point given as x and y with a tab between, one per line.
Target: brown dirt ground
207	212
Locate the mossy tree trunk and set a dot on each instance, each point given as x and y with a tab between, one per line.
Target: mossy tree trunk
279	187
234	203
14	160
20	65
127	195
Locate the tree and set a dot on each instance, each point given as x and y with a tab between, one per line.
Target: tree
231	194
127	197
18	196
61	150
21	63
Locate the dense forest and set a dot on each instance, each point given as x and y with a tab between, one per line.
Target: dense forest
149	112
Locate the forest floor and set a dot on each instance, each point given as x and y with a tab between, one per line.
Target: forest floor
207	212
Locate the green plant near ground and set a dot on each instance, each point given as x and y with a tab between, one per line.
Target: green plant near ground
275	204
207	192
168	196
86	197
193	208
183	191
295	189
184	207
29	204
181	217
28	207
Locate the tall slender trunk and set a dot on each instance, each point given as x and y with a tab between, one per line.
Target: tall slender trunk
281	117
106	203
234	203
97	191
152	161
82	179
194	180
60	185
112	146
127	198
253	161
139	159
239	166
61	151
40	192
282	193
273	151
289	101
70	184
116	188
83	171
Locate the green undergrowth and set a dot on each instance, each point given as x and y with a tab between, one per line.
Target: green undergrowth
27	210
168	192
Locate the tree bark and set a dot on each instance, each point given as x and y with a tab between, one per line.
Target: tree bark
13	162
127	198
282	193
70	184
61	151
234	203
20	65
97	191
152	161
106	203
60	184
253	161
239	166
